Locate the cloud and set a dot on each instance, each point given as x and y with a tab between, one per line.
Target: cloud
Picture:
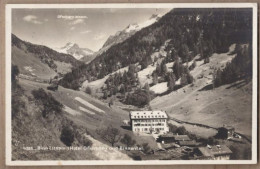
72	28
100	36
32	19
46	20
85	32
73	20
77	21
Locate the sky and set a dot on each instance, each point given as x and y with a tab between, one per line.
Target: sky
88	27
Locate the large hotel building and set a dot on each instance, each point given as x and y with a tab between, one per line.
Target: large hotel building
149	121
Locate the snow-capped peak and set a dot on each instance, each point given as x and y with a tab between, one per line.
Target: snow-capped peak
128	31
136	27
68	45
156	16
74	50
131	27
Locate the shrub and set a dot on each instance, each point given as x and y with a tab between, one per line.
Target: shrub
222	133
172	128
105	95
86	142
127	140
181	130
146	148
109	134
67	135
88	90
193	65
206	60
139	98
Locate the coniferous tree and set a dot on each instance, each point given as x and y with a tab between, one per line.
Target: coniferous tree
184	52
105	94
184	80
155	78
171	81
158	69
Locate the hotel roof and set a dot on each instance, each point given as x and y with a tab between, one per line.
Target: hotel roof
147	114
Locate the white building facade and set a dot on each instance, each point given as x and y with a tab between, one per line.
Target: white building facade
149	121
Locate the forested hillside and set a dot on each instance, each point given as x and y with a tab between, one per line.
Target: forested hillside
190	31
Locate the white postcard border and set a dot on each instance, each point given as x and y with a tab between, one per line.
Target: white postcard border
8	27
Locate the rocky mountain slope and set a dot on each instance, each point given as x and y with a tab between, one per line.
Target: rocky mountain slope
131	29
126	33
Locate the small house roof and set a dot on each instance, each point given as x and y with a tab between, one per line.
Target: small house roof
169	135
215	151
148	114
182	138
188	143
169	146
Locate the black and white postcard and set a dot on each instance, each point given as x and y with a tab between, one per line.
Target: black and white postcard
131	84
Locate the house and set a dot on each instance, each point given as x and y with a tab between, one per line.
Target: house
149	121
179	138
166	138
172	138
190	143
216	152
